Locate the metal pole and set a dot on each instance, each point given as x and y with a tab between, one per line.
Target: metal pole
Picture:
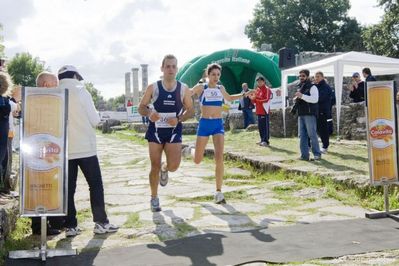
43	240
386	198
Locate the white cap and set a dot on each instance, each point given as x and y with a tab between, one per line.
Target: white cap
70	68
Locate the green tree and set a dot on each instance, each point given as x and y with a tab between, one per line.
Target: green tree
24	69
1	43
383	38
312	25
98	99
115	104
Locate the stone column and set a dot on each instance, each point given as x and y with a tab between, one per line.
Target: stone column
127	87
135	72
144	76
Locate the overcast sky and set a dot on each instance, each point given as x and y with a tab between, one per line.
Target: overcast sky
105	39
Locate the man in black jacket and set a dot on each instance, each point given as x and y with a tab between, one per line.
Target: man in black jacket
325	99
306	101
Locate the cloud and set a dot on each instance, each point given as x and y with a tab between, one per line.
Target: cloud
105	39
12	14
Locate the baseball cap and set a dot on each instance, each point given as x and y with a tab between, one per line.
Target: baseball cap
70	68
260	78
356	74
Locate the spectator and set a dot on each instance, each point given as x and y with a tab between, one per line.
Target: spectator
14	100
367	74
261	99
129	103
5	109
306	99
356	88
246	106
325	100
82	152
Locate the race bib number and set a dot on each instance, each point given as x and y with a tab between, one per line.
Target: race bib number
213	95
163	120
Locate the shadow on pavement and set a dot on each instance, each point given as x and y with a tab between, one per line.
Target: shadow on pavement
205	245
259	233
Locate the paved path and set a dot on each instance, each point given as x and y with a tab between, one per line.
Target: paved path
187	202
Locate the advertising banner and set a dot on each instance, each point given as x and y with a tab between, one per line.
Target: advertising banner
381	132
44	162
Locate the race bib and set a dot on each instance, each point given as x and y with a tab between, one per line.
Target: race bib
213	95
163	120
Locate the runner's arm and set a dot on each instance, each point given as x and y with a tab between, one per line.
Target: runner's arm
197	90
229	97
188	106
145	101
143	105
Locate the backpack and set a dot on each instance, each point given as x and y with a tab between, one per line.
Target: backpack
5	108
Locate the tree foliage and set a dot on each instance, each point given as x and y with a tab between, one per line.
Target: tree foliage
312	25
24	69
98	99
116	104
383	38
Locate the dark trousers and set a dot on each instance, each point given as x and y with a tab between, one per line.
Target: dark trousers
91	170
323	130
248	117
3	152
263	125
53	222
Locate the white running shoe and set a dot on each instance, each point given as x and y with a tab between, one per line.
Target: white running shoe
163	176
73	231
103	228
219	198
323	151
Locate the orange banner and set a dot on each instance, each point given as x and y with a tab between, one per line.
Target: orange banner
382	133
43	152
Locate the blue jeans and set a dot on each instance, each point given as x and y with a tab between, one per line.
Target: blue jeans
307	129
248	117
263	125
91	170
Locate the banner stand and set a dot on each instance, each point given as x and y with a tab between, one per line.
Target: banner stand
43	253
382	140
385	214
43	163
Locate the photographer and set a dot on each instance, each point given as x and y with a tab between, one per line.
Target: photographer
356	87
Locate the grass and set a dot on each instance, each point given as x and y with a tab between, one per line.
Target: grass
19	239
133	221
83	215
182	229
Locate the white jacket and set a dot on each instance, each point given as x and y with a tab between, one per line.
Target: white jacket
82	118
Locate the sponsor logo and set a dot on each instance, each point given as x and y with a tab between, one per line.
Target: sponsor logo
381	131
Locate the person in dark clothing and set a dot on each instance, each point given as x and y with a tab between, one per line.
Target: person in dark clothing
246	106
357	88
330	119
367	74
5	109
325	96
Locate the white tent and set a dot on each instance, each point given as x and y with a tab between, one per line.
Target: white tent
338	67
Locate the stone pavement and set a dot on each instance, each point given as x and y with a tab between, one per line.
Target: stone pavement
187	202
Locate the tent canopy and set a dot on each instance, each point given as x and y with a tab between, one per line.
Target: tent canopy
339	66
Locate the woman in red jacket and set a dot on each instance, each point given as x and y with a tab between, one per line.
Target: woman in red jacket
261	98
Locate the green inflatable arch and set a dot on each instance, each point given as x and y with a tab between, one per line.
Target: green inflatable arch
238	66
